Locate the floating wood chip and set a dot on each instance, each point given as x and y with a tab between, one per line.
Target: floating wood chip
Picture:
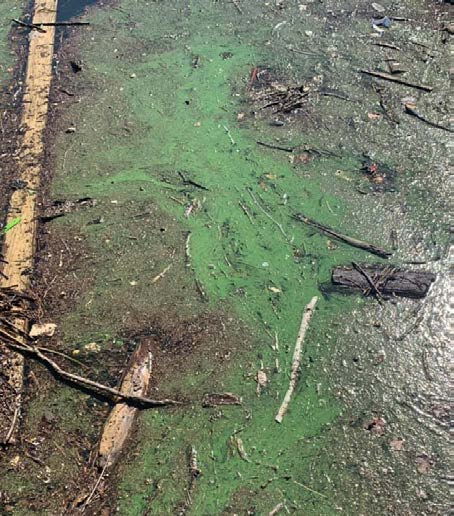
220	398
120	421
386	280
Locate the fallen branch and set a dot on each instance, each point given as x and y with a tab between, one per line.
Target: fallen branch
28	25
113	394
344	238
410	111
308	311
393	78
62	24
388	281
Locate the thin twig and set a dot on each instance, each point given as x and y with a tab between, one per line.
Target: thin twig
308	311
276	147
161	274
28	25
410	111
309	489
334	94
246	212
98	481
393	78
266	213
368	278
343	238
55	352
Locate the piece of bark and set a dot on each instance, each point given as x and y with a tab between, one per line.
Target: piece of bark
120	422
388	281
214	399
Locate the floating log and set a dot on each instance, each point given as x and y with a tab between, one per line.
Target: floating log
121	419
384	280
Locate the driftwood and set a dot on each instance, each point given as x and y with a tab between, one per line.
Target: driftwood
121	419
384	281
344	238
294	371
393	78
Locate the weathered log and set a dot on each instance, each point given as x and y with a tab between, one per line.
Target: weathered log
387	280
119	424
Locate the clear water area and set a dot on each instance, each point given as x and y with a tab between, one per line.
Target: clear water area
68	9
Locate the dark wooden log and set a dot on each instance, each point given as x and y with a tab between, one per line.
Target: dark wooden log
385	280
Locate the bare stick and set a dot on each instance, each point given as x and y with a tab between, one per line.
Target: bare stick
386	45
393	78
246	212
344	238
62	24
109	392
277	509
161	274
98	481
308	311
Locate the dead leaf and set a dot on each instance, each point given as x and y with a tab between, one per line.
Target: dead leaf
423	463
373	116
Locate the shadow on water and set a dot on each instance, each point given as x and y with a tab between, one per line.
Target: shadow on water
68	9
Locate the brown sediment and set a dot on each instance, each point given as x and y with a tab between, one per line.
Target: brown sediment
19	241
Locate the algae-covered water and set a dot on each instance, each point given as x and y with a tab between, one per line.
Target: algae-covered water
166	123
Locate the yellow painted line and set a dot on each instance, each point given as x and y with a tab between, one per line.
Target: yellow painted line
20	241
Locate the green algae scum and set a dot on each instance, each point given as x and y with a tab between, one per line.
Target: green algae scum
201	128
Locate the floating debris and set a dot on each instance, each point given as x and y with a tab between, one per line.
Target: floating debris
384	281
216	398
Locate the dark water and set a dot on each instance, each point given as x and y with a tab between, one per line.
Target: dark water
68	9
